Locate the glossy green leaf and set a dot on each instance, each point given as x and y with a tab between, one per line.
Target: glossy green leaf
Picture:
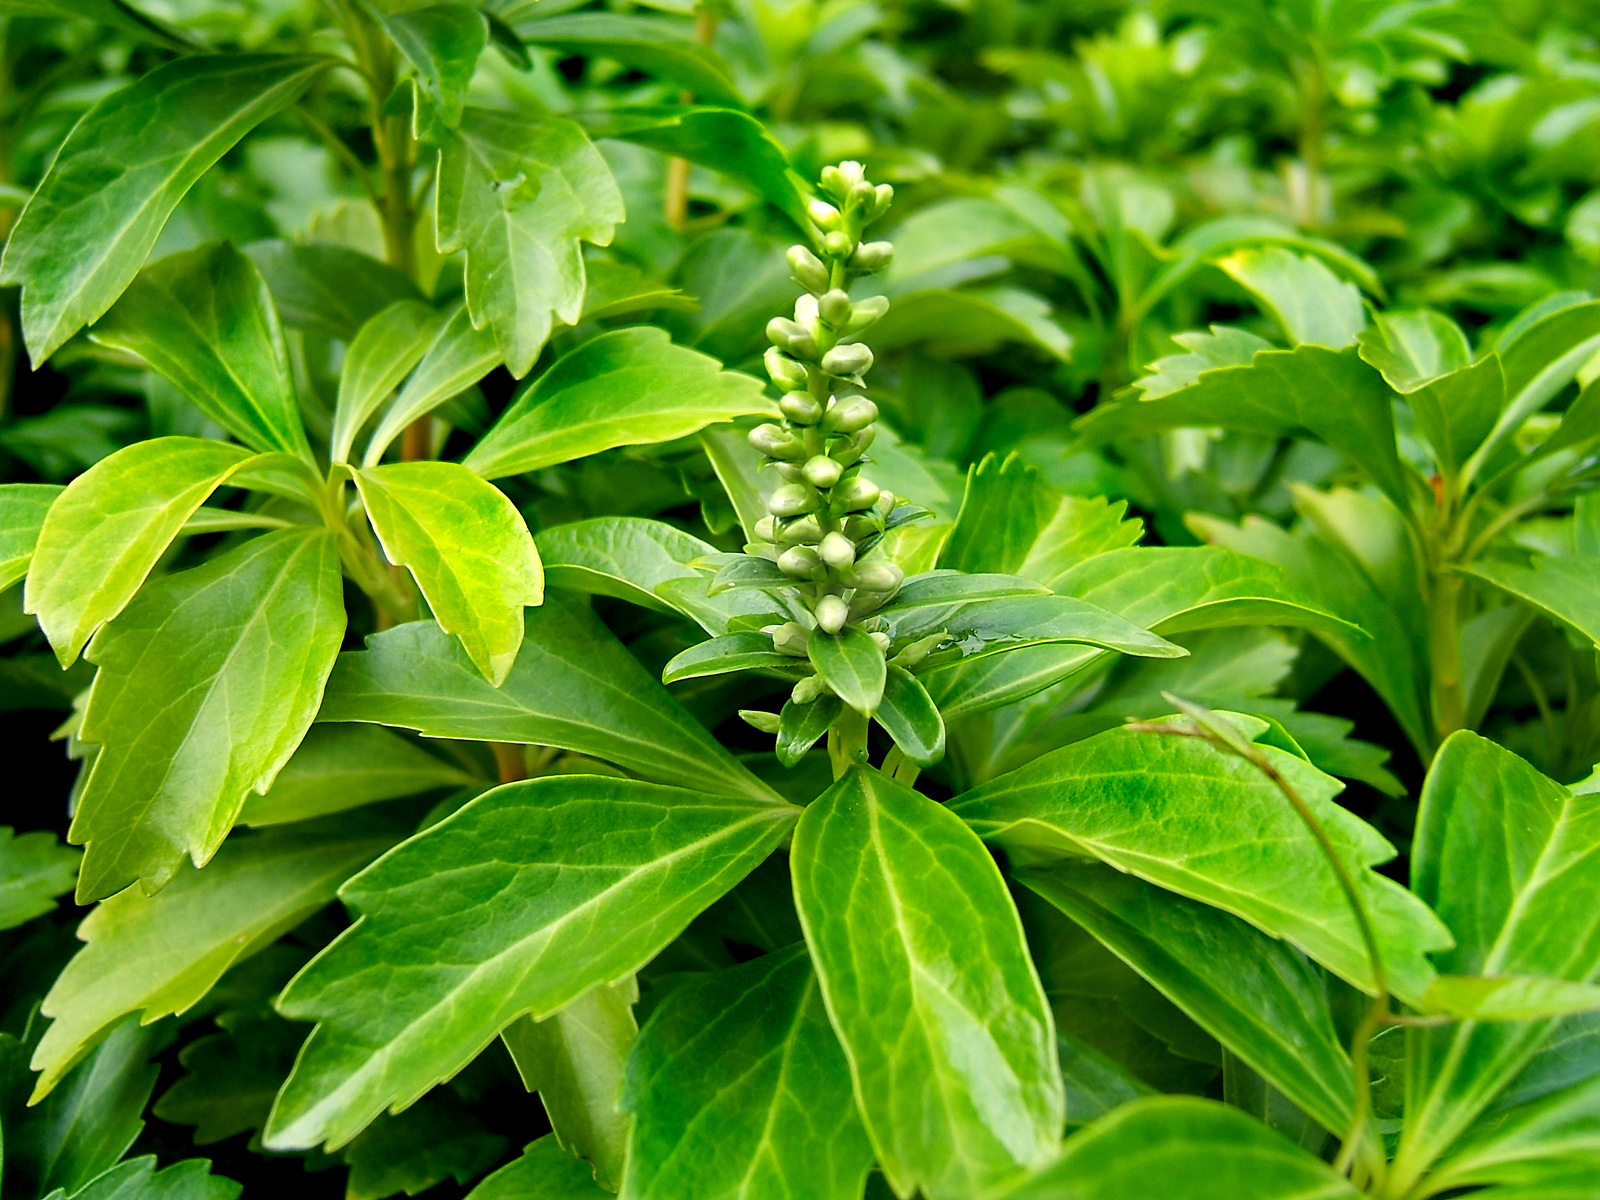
160	954
1329	393
801	725
1206	824
34	869
207	683
972	321
519	195
929	986
912	718
517	904
1254	994
442	42
138	1179
1412	347
643	562
982	627
115	13
89	1122
22	510
655	46
204	320
383	353
1204	350
1561	588
574	1060
955	587
1310	302
1196	1149
1539	361
436	1139
544	1172
852	666
1509	997
456	358
106	532
1511	861
619	389
721	139
339	767
468	548
573	685
1456	412
122	172
1527	1142
738	1087
725	654
326	288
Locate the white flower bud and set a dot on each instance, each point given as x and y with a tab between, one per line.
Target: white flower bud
825	215
790	638
785	372
848	174
872	256
837	551
831	613
776	442
854	494
767	529
850	414
849	454
852	358
882	198
877	577
881	638
808	270
821	471
866	312
800	408
835	307
796	499
808	690
806	531
800	562
838	244
765	722
862	195
791	336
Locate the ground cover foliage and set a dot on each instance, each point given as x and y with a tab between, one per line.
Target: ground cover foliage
800	599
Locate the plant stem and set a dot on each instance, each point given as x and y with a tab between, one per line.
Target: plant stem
511	761
1312	99
677	189
1444	651
847	742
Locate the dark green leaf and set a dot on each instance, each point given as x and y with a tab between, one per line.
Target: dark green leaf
1527	1143
929	987
655	46
204	320
388	346
1192	1150
34	869
1205	823
725	654
912	718
160	954
1095	1083
115	13
468	548
138	1179
955	587
573	685
800	725
983	627
207	683
1561	588
109	528
619	389
1456	412
738	1087
544	1172
852	666
456	358
437	1138
322	287
519	195
22	511
121	173
232	1076
518	903
442	42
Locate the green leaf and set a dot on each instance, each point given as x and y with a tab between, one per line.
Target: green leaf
34	869
456	358
1011	521
107	12
725	654
929	986
972	321
1195	1149
574	1060
1220	346
573	685
1413	347
544	1172
644	562
1206	824
800	725
160	954
852	666
1529	1142
738	1087
655	46
122	172
88	1123
1330	394
22	510
722	139
956	587
383	353
339	767
1561	588
468	548
519	195
1511	861
1540	360
207	683
981	627
442	42
1456	412
1254	994
326	288
138	1179
204	320
912	718
437	1138
110	527
1310	302
1509	997
517	904
232	1076
623	388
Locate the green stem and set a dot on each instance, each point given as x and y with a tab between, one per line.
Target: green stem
847	742
1444	651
